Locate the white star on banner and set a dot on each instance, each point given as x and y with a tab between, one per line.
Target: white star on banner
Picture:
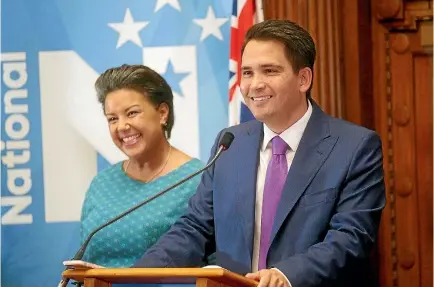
161	3
210	25
128	30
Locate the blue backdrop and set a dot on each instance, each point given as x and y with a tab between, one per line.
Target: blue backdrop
54	138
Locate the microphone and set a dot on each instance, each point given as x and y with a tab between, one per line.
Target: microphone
224	144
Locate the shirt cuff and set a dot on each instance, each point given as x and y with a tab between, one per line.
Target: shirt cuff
289	283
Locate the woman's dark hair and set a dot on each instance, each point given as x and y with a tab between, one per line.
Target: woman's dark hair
141	79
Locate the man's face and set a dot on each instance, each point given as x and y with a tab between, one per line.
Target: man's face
272	91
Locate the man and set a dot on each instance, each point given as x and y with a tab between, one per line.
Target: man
298	195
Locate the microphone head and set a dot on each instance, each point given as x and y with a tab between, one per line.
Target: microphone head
226	140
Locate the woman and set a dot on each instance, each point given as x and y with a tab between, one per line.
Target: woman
138	105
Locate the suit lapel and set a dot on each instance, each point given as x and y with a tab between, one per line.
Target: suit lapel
248	155
314	148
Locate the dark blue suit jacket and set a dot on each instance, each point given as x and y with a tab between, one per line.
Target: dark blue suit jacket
327	220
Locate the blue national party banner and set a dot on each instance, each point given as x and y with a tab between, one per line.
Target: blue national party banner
54	137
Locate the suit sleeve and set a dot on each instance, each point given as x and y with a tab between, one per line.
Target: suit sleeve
191	239
353	227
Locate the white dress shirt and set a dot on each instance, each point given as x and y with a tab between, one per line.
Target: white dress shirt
292	137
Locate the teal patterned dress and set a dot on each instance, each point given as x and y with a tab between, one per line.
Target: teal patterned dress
113	192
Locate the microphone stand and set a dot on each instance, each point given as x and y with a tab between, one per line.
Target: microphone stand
80	252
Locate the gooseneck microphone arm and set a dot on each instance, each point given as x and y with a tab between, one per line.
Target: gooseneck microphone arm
225	143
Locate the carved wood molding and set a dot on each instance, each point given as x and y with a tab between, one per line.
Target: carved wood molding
389	9
405	60
391	194
426	31
402	35
401	15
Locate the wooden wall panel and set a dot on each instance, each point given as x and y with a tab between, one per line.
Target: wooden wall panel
403	96
424	146
404	162
357	61
277	9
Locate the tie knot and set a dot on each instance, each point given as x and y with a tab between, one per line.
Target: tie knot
279	146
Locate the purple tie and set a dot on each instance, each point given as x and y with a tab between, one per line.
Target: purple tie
274	181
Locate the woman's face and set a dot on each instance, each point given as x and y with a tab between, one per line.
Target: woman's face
135	124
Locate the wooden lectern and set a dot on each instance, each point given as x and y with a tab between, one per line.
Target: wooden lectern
202	277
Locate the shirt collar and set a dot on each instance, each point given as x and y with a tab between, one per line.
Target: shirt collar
292	135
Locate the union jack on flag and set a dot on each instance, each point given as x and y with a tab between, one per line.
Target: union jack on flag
245	13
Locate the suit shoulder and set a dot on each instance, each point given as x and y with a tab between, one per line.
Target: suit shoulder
343	128
243	127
